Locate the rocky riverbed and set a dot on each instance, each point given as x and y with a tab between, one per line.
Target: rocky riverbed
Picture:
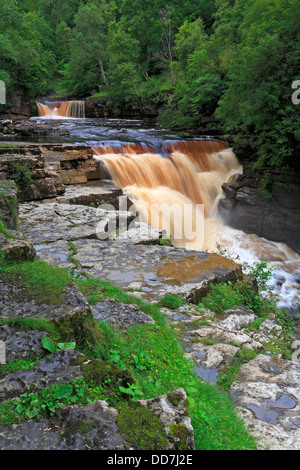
66	223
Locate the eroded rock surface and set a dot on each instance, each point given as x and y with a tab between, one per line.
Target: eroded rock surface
268	396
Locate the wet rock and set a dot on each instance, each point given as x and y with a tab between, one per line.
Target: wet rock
275	217
91	195
61	367
20	344
50	222
182	273
118	313
268	399
16	302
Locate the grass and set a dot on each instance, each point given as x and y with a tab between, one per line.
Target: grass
229	373
18	364
38	324
7	146
156	358
39	281
152	354
4	230
171	301
213	416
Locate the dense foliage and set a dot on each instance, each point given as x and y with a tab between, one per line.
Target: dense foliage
236	59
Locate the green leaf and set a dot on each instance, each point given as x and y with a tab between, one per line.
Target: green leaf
126	390
31	413
70	345
48	344
63	391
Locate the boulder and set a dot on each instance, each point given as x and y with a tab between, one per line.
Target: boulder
17	250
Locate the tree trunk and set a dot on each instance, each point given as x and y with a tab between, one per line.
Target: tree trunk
103	75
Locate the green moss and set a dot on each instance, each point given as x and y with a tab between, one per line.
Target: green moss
229	372
25	363
79	327
208	341
174	398
79	426
142	429
22	174
181	434
97	371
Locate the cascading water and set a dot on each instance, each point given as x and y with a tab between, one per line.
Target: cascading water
67	109
192	173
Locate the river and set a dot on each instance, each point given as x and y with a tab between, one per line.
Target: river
156	166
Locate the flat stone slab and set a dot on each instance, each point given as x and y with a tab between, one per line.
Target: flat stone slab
268	398
13	303
158	270
89	195
49	222
118	313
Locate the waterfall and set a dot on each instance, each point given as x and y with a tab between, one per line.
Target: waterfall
189	174
68	109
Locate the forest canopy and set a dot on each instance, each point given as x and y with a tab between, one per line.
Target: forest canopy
233	59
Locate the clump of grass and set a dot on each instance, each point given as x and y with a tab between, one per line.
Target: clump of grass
229	372
40	282
38	324
4	230
18	364
171	301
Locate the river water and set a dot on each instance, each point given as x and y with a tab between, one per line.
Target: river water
157	166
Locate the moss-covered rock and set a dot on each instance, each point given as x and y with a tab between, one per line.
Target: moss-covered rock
96	371
18	251
142	429
181	435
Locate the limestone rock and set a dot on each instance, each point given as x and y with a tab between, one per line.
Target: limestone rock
268	397
14	302
20	344
89	427
237	318
171	410
18	250
118	313
94	427
60	367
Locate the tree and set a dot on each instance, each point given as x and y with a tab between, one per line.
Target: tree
256	107
89	43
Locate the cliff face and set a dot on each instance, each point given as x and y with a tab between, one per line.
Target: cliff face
17	107
98	108
272	214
